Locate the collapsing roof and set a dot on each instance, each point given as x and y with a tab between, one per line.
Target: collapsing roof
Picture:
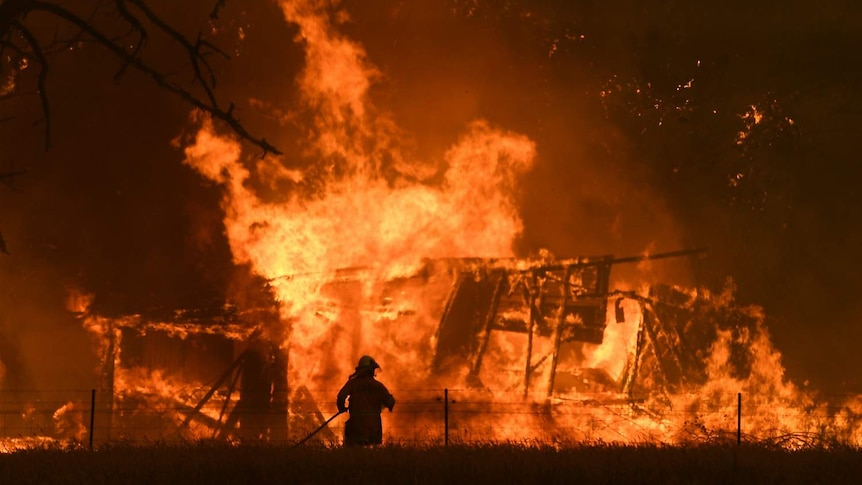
560	302
550	303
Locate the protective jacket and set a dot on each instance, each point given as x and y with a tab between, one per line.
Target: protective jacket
367	398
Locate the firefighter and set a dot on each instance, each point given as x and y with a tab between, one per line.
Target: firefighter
367	397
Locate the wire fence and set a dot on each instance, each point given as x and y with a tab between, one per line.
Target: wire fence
90	418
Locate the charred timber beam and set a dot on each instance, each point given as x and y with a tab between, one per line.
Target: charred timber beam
558	332
280	396
607	260
633	366
192	414
486	329
582	262
221	380
231	388
539	362
650	257
649	327
530	294
511	264
305	408
447	311
255	399
674	344
224	431
666	342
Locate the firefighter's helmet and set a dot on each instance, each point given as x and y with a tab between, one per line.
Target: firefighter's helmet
367	362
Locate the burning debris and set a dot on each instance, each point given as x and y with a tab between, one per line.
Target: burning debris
372	252
564	301
365	249
157	366
546	335
551	346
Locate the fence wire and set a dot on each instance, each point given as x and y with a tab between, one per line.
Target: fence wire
427	417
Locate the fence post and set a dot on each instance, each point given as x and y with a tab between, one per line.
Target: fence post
92	414
738	418
446	416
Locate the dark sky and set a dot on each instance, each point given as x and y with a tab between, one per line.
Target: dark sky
635	110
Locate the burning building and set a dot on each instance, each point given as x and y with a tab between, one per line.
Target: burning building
363	246
195	372
489	328
367	249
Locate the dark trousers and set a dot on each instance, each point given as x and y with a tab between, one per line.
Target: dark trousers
363	429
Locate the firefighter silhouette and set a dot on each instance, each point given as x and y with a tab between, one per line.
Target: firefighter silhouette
364	397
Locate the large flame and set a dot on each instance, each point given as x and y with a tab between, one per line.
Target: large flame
371	213
361	242
371	209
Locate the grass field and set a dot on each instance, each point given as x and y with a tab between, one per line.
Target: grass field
497	464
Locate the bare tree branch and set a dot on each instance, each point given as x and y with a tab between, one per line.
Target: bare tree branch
14	173
194	50
12	12
218	6
43	75
3	248
136	27
79	38
10	45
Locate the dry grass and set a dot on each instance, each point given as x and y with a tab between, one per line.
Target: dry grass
491	463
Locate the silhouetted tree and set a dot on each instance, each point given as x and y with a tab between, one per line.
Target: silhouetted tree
25	41
28	41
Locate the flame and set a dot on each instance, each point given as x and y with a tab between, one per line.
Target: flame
370	211
750	118
360	243
373	218
78	301
69	421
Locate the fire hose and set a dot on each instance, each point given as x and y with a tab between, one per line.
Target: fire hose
325	423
